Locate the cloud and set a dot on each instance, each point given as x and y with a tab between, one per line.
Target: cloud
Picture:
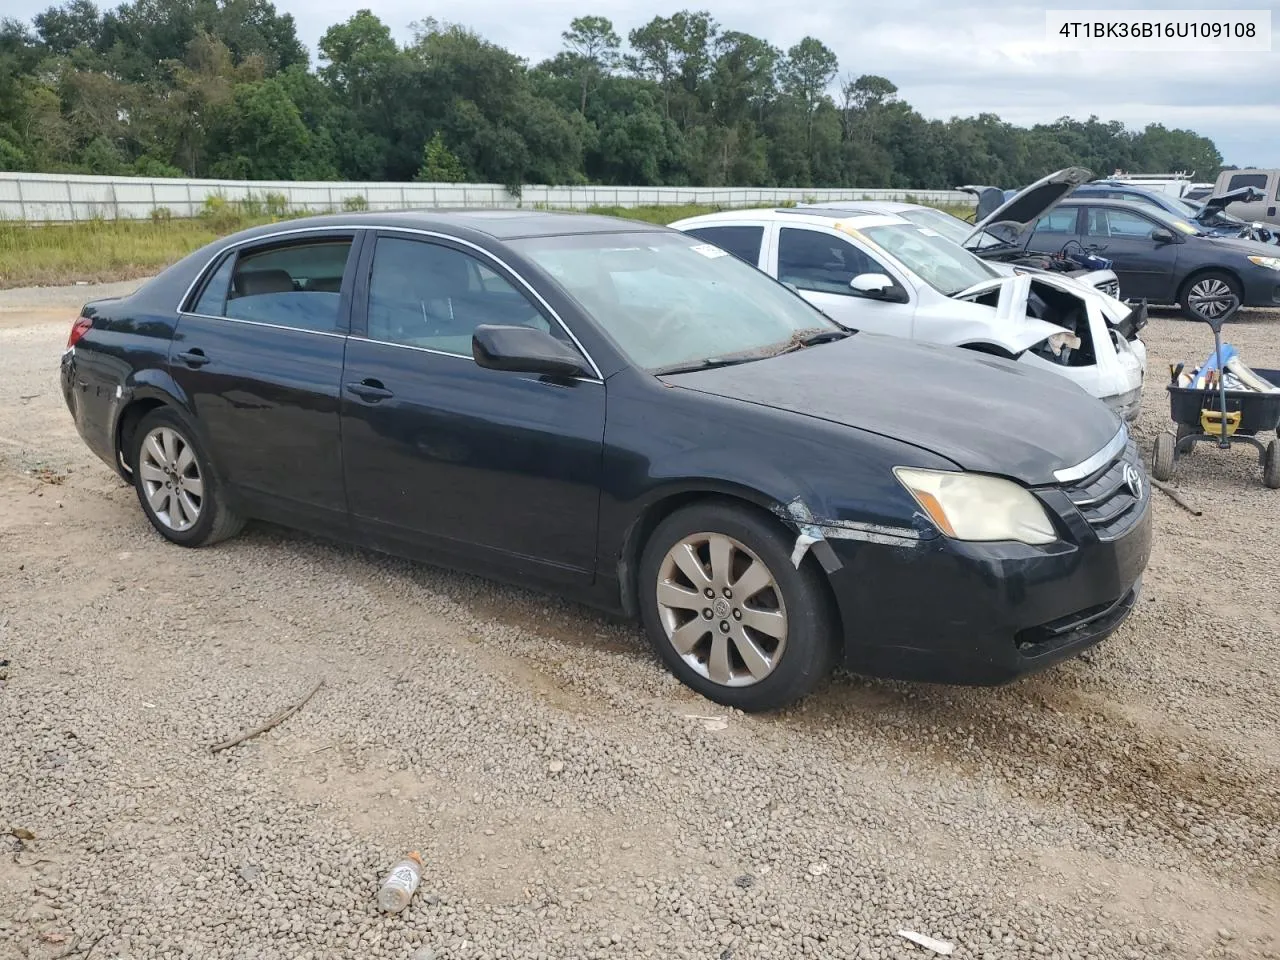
947	57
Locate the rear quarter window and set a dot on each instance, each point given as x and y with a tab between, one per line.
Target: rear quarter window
743	242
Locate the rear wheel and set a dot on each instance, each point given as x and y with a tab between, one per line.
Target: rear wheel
728	611
1208	296
1162	457
176	488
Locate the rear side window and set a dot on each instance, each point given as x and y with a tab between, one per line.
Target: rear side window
297	286
1241	180
743	242
1061	220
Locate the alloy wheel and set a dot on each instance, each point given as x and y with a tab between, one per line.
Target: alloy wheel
1210	297
722	609
170	478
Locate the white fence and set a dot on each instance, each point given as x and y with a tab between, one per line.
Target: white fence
64	197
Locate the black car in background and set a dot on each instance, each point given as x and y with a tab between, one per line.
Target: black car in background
623	415
1162	258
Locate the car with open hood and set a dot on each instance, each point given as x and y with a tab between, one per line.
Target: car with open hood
888	274
627	416
1209	214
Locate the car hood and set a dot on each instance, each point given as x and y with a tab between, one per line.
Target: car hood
1219	203
981	413
1246	248
1017	215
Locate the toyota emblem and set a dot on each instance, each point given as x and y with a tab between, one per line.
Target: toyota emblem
1133	480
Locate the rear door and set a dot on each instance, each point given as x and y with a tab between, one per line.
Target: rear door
1145	267
821	262
258	353
443	454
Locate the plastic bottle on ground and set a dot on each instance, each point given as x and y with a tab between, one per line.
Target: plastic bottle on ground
400	884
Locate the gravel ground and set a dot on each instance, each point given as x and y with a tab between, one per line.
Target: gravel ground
570	799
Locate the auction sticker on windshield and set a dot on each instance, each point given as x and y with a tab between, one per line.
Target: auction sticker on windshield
709	250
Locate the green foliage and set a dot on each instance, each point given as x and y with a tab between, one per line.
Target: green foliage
354	202
223	88
439	164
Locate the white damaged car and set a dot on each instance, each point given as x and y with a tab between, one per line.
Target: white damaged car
886	274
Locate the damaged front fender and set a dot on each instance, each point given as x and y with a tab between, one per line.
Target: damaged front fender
814	534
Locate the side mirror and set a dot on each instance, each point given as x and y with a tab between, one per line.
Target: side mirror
877	286
1161	235
524	350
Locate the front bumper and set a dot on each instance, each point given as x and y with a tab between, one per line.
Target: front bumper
1126	405
1262	288
944	611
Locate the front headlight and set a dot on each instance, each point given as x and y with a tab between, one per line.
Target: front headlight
1271	263
973	506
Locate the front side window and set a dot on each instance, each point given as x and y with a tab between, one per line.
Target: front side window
946	266
297	285
667	299
820	262
742	241
1119	223
422	294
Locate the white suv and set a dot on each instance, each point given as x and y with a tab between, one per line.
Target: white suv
885	274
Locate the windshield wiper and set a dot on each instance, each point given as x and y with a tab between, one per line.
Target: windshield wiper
710	363
809	338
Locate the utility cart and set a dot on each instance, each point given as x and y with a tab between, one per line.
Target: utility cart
1221	417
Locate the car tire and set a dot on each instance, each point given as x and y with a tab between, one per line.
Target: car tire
1162	457
1271	465
756	651
1212	283
176	487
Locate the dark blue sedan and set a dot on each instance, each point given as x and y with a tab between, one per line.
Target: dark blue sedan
623	415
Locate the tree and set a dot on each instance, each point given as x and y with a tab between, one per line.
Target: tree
593	45
440	164
806	73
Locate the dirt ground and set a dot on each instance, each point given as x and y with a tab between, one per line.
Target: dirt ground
570	799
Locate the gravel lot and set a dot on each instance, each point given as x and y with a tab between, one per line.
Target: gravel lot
569	798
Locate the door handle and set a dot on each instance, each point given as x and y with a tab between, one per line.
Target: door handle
194	357
371	390
1271	211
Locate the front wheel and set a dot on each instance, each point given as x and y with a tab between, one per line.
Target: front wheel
728	611
1214	296
176	488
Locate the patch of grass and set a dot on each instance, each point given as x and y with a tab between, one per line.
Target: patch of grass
99	251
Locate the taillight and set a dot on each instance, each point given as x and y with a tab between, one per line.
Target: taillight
78	330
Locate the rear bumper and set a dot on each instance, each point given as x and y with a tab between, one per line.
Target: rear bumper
943	611
91	412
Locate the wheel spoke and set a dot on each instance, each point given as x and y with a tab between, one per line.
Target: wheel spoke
151	472
690	565
770	622
193	486
157	498
721	560
177	510
756	660
185	458
685	638
156	450
169	442
189	507
718	665
755	579
672	595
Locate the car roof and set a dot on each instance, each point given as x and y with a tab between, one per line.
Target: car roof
497	224
869	206
853	217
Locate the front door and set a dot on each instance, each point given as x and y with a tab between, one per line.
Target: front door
820	264
1144	265
258	353
452	456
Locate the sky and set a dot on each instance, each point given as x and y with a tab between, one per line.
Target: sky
947	57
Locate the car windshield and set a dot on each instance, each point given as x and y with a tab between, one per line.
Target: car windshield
1172	221
670	301
953	228
943	264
